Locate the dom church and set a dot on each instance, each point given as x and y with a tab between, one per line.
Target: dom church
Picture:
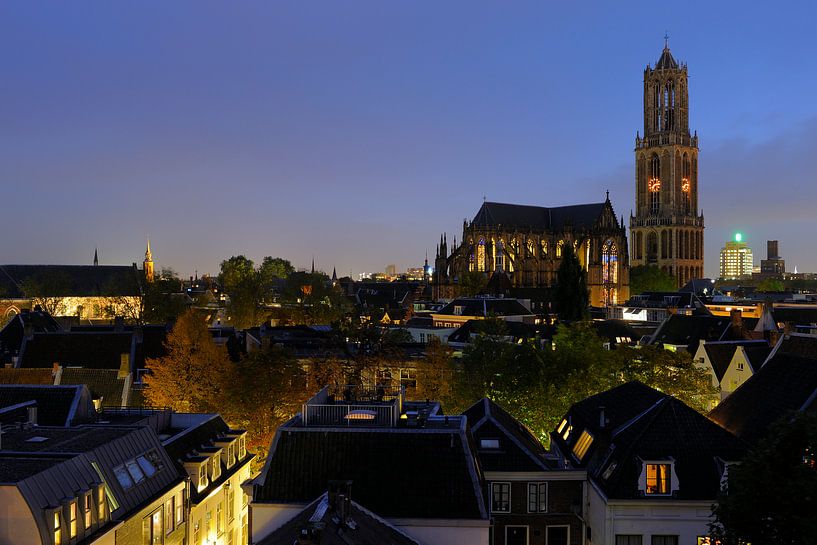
667	231
523	244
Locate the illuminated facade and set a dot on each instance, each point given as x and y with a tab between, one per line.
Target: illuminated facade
526	243
736	259
667	230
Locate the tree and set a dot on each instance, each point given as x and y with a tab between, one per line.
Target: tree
163	300
48	291
274	267
571	295
435	373
771	496
645	278
268	388
240	281
472	283
770	285
192	377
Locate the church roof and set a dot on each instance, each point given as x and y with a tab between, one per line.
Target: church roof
538	217
667	61
69	280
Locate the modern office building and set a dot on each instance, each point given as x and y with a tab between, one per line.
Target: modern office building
736	259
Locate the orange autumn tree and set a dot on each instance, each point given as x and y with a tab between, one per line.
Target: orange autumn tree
193	374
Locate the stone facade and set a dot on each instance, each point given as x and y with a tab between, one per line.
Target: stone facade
667	229
526	242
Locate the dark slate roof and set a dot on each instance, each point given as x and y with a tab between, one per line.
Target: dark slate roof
579	216
12	334
757	355
104	384
400	472
518	449
786	382
720	354
56	405
74	280
679	329
645	424
194	438
514	330
369	529
796	315
77	349
485	306
667	61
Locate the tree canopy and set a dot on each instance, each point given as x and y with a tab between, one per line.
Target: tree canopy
645	278
771	496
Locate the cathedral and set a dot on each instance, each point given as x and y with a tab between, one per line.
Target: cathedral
667	230
525	244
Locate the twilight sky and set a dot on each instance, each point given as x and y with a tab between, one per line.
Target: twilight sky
358	131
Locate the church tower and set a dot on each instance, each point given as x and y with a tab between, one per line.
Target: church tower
148	264
667	229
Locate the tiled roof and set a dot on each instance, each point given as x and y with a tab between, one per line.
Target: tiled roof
73	280
757	355
104	384
100	350
540	218
400	472
369	529
26	376
12	334
518	449
786	382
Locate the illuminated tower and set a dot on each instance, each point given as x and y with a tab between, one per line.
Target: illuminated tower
667	229
148	264
736	259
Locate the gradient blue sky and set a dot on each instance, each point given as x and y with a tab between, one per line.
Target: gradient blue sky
358	131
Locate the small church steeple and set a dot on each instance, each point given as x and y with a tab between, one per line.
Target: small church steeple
96	258
148	263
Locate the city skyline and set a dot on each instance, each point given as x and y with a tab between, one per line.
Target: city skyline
282	130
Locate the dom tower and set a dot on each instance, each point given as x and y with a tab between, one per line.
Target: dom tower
667	231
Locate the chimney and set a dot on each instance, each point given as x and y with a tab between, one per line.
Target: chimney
736	316
340	499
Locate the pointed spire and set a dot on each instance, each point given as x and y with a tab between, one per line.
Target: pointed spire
148	254
334	275
607	199
667	61
96	258
426	258
313	264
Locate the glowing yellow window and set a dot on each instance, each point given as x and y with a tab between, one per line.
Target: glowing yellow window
581	446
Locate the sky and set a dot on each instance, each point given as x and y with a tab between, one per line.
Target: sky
356	132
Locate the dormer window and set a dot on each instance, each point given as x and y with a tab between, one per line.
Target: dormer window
86	510
659	479
216	471
581	446
242	447
230	454
72	519
202	484
57	526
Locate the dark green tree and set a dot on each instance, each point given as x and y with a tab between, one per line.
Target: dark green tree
472	283
571	295
645	278
240	281
769	285
771	496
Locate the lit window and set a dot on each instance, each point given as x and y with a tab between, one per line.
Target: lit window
179	504
72	519
658	478
242	447
219	518
202	476
537	497
153	528
501	497
86	508
568	430
562	426
581	446
57	528
170	510
216	461
231	505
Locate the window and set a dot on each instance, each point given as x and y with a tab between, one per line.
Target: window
562	426
242	447
101	496
170	510
202	476
664	540
501	497
197	533
86	509
153	528
135	471
179	504
220	518
537	497
72	519
581	446
658	478
146	466
489	443
231	505
627	539
568	429
230	454
57	528
740	366
654	184
216	461
123	477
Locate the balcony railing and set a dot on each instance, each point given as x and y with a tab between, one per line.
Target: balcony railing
666	139
354	406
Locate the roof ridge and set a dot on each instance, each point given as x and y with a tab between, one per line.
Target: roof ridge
637	417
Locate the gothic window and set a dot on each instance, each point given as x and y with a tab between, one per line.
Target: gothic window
481	255
669	106
656	122
531	249
471	256
544	246
652	247
654	184
498	257
609	262
686	189
559	246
